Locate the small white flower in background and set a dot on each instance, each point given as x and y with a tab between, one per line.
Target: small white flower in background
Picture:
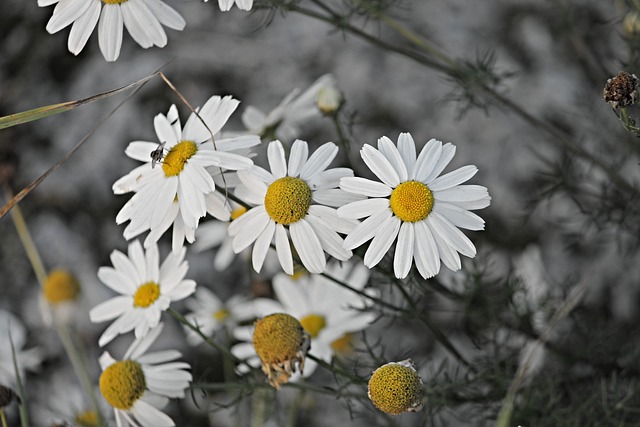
143	18
12	327
211	314
414	204
226	5
327	311
146	287
140	384
60	297
178	190
293	199
284	121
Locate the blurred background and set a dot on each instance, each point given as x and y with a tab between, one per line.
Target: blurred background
523	103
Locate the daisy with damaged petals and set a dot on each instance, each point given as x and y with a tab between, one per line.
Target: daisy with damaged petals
143	18
293	200
414	205
140	385
146	287
173	186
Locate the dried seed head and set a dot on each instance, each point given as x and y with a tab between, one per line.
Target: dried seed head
396	388
621	90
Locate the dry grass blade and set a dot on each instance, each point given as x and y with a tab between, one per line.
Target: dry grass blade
50	110
21	195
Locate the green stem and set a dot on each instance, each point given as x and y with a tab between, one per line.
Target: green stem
24	412
3	418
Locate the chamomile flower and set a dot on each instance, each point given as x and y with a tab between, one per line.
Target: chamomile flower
147	289
143	18
60	297
293	200
284	121
328	312
226	5
178	190
210	313
396	388
415	205
11	328
140	384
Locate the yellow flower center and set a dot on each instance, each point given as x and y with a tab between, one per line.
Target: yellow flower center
277	338
60	286
221	314
123	383
395	388
411	201
146	294
313	324
287	200
238	212
343	345
87	419
114	1
177	157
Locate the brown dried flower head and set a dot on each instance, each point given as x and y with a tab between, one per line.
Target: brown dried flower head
621	90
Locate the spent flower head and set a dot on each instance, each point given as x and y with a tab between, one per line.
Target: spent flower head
621	90
396	388
414	205
140	384
142	18
146	289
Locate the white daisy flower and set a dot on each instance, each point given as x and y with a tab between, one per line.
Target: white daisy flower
293	200
140	384
12	327
327	311
416	205
143	18
147	289
211	314
60	300
178	190
284	121
226	5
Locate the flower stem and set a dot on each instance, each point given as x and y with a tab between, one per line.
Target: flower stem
3	418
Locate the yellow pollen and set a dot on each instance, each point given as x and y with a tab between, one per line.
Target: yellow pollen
313	324
238	212
395	388
114	1
343	345
123	383
411	201
221	314
60	286
287	200
277	338
87	419
176	158
146	294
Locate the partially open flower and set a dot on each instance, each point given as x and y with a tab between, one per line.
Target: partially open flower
329	100
281	342
621	90
396	388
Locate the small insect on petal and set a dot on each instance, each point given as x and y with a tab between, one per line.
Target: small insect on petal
157	155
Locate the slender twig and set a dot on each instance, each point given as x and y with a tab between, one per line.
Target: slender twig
24	412
3	418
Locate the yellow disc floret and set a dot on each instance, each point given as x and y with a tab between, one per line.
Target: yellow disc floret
396	388
343	345
122	384
287	200
178	156
411	201
281	342
238	212
146	294
221	315
313	324
114	1
87	419
61	286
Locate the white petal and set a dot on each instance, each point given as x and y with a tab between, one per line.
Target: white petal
66	12
140	346
451	235
283	249
149	416
384	238
166	14
363	208
308	246
404	250
298	157
319	160
465	196
365	186
459	217
329	217
110	31
142	24
448	151
164	131
277	162
331	242
425	251
407	149
329	178
110	309
83	27
334	197
252	229
293	295
262	246
453	178
215	113
367	229
380	166
447	253
391	153
427	159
